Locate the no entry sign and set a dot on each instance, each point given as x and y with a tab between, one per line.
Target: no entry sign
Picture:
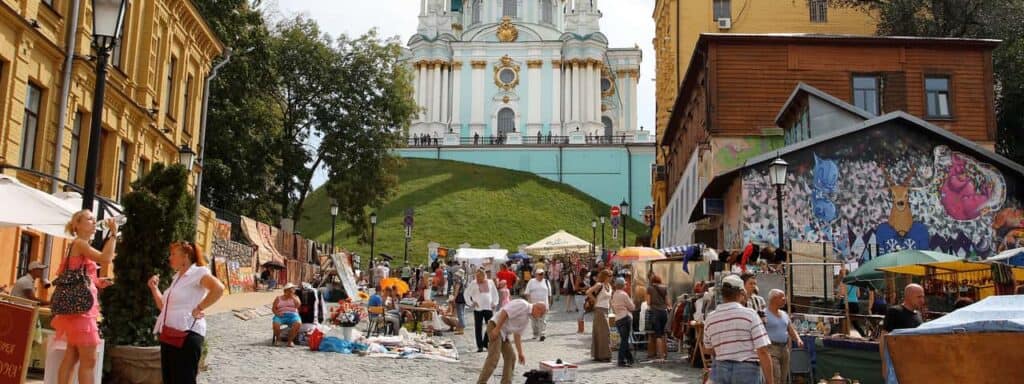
615	211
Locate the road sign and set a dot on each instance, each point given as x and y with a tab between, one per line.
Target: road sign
615	222
615	211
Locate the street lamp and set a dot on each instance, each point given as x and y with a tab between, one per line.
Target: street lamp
602	235
624	208
777	174
593	228
107	17
186	156
334	219
373	234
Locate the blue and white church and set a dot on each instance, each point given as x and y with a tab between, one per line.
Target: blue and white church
530	85
516	68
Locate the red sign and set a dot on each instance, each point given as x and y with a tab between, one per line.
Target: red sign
16	325
615	211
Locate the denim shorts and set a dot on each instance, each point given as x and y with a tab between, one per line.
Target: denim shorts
288	318
736	372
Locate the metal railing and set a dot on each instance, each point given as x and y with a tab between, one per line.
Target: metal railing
541	140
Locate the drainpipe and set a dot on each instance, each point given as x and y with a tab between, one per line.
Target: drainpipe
202	128
629	183
62	109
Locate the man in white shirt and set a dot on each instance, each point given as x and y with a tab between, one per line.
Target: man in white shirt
482	296
738	339
511	320
25	287
537	292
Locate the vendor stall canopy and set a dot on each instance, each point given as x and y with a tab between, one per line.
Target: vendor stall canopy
993	314
870	274
559	243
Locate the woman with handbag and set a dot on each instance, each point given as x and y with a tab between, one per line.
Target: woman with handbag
181	325
601	294
75	303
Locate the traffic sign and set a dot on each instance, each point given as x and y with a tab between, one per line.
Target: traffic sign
615	222
615	211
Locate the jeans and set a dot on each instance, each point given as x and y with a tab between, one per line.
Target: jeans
735	372
181	365
625	327
479	319
460	312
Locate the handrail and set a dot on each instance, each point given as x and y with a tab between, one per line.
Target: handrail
542	140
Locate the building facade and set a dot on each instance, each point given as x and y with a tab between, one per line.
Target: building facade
679	24
730	99
520	68
152	103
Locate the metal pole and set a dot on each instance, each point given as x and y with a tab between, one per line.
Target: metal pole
824	272
789	255
373	240
92	159
625	219
407	250
602	237
334	219
202	129
593	250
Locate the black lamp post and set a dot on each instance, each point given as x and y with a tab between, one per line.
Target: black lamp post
373	234
593	228
334	219
107	17
624	209
777	172
602	235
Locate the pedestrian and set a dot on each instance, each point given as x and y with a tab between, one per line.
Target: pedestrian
622	305
503	294
508	276
658	303
182	320
568	289
482	296
555	279
908	313
79	330
406	273
738	338
581	283
458	297
851	295
25	286
781	333
601	293
510	322
537	291
754	301
286	312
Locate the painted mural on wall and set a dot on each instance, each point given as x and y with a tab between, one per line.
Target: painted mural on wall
732	152
897	188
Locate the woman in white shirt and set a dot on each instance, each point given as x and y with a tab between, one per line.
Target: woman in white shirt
482	296
601	293
193	289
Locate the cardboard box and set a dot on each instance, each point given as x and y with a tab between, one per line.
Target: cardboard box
560	373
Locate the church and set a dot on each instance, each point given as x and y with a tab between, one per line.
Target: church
522	71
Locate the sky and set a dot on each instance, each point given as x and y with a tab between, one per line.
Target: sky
625	23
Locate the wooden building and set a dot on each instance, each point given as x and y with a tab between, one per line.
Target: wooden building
736	84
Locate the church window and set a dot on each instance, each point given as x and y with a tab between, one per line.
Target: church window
509	8
506	121
507	75
545	11
477	8
606	85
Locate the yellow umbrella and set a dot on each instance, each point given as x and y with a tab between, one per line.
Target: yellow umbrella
636	254
395	282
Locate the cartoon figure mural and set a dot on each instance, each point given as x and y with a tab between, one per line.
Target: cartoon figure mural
826	178
1009	226
969	188
901	231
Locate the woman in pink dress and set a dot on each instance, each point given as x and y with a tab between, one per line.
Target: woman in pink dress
80	330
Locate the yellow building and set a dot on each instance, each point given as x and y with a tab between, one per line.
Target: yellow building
151	107
679	24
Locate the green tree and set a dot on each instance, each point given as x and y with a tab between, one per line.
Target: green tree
159	212
995	19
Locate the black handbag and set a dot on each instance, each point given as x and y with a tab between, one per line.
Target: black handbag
71	294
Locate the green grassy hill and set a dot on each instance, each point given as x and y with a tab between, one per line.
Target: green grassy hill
459	203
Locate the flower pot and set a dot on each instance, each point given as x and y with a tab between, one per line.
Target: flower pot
346	332
135	365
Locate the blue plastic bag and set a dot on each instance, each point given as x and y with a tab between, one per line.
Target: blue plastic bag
334	344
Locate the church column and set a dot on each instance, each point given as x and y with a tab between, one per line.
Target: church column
596	83
435	92
456	125
422	88
576	91
588	93
567	95
533	124
557	99
444	95
477	124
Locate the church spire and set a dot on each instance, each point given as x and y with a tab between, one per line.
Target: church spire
581	17
435	18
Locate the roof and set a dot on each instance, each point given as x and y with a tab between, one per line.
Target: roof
722	181
779	38
804	88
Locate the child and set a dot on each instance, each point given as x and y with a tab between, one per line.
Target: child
503	294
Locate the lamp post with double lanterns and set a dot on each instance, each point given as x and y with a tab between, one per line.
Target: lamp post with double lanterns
107	17
777	173
624	208
334	219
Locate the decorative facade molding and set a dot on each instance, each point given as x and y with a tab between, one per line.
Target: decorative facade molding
478	64
507	32
534	63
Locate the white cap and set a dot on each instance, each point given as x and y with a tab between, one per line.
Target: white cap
539	271
733	281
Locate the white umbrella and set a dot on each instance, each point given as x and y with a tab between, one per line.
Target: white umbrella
27	206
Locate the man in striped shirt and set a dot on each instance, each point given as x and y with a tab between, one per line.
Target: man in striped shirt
738	339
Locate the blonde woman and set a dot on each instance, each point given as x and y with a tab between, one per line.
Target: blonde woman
192	290
80	330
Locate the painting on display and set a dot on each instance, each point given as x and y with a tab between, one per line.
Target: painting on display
893	186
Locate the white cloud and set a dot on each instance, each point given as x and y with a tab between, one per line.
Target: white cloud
625	22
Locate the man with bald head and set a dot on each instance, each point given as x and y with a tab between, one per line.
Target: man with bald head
908	313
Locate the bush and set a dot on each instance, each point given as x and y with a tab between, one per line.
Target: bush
160	211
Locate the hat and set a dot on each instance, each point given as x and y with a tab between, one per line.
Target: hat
288	286
539	271
620	281
36	265
733	281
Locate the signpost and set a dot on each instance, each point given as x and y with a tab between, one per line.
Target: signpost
408	221
615	225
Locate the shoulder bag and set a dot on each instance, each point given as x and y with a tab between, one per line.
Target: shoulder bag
71	294
591	301
168	335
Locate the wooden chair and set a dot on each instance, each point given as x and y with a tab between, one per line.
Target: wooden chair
376	323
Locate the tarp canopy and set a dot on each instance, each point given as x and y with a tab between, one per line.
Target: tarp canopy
479	256
944	268
992	314
559	243
869	273
1012	257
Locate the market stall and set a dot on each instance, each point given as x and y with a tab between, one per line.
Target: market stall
490	259
959	278
559	243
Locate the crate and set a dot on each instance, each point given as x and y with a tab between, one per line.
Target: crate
560	373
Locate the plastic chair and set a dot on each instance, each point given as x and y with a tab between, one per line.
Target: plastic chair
376	322
800	364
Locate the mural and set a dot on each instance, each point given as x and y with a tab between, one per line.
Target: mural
891	186
732	152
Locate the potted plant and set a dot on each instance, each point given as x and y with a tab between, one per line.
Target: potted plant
159	211
347	315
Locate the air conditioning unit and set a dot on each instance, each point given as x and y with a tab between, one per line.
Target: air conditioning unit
659	172
724	23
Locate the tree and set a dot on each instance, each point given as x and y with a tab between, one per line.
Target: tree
995	19
159	212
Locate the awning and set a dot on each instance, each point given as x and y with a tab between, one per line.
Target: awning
944	270
30	207
481	255
259	235
559	243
